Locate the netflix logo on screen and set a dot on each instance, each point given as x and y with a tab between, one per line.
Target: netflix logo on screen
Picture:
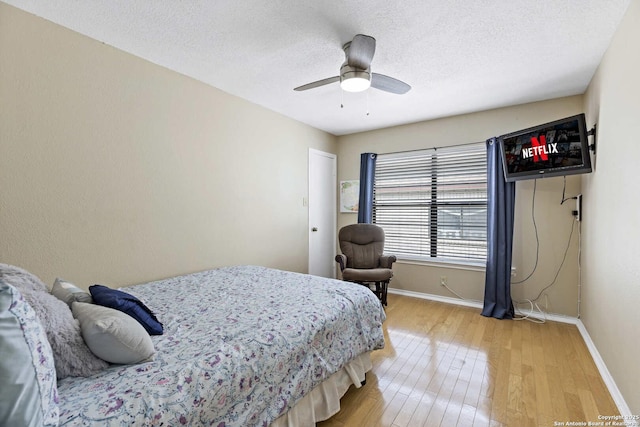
539	149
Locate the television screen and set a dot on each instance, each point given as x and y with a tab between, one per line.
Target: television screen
552	149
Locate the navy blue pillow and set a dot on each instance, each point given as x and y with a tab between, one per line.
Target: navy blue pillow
126	303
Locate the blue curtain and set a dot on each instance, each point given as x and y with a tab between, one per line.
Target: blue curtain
500	212
367	173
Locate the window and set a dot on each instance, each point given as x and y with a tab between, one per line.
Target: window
432	204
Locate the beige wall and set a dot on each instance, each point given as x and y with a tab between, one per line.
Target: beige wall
118	171
554	221
611	229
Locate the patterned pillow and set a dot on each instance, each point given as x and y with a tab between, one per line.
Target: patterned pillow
68	292
129	304
29	394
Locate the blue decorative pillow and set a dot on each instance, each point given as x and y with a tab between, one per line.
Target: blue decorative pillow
129	304
29	394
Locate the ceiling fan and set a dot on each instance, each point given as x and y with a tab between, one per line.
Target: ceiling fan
355	72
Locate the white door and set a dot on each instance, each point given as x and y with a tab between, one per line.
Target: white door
322	213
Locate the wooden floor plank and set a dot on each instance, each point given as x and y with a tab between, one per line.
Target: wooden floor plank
528	403
406	412
446	365
419	417
393	409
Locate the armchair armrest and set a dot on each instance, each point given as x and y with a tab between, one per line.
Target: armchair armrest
342	260
386	261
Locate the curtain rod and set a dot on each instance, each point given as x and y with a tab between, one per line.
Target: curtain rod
434	148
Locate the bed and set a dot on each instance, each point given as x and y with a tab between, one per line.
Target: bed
242	346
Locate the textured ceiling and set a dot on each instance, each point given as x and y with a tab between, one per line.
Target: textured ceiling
459	56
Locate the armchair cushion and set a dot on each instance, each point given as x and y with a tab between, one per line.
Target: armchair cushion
362	244
367	274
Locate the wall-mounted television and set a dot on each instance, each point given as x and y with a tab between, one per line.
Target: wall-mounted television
557	148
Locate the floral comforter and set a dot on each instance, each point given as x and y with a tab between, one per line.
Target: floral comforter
241	346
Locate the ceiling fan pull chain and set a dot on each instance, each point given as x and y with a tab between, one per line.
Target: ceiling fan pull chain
341	98
368	103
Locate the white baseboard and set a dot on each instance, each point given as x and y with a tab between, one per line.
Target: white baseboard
447	300
604	372
478	304
602	367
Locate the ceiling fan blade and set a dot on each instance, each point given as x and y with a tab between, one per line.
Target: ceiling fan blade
389	84
318	83
361	51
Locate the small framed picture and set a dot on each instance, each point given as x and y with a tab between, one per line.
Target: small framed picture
349	196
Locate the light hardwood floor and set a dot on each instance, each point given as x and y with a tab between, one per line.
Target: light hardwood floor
446	365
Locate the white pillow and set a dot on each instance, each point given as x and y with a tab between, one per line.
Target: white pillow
68	292
113	335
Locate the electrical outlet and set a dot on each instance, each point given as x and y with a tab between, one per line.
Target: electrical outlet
579	207
577	213
443	280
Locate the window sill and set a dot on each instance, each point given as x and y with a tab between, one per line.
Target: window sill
446	263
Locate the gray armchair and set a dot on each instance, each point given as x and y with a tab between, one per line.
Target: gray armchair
362	259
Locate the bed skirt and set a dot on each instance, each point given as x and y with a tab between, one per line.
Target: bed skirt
324	401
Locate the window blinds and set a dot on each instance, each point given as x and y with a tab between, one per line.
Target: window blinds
432	204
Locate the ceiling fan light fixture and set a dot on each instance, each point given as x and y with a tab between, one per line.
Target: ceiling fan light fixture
355	73
355	81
